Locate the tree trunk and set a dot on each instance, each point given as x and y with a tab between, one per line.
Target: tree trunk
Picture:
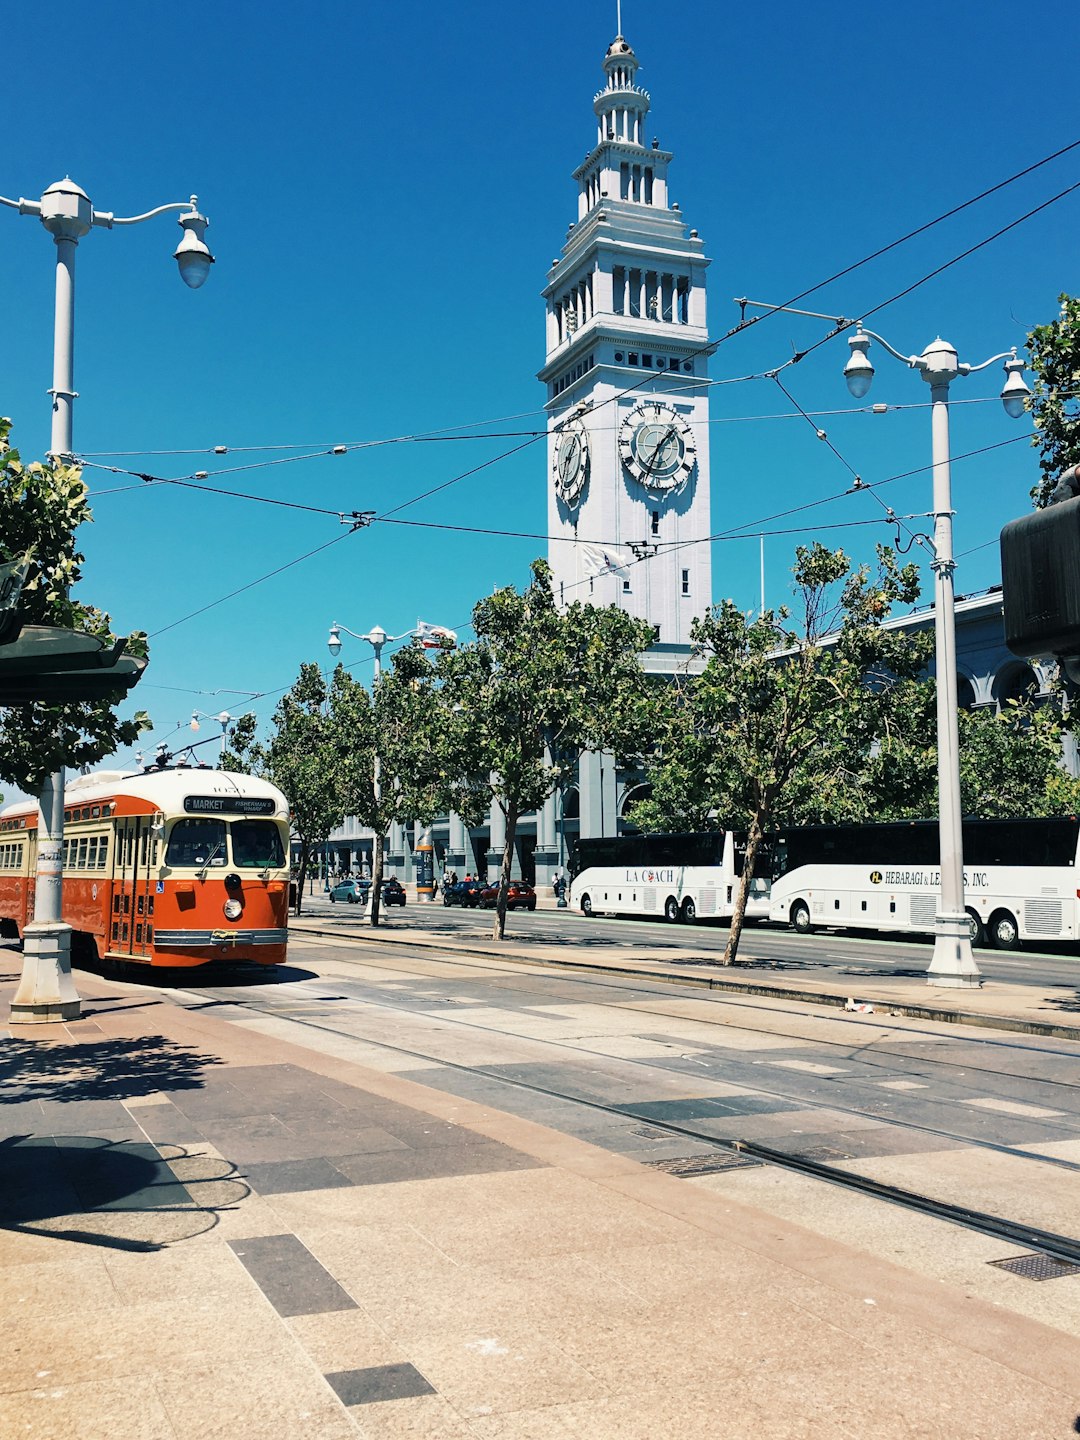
504	873
303	873
375	893
753	845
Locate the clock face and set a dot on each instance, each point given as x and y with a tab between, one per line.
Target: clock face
657	446
570	462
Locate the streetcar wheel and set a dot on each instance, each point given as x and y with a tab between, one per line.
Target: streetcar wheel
689	912
671	909
586	906
1004	931
800	918
976	930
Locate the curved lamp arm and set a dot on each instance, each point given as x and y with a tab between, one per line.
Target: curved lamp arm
912	360
108	219
971	369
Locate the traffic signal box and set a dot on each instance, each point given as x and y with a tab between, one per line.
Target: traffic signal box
1040	581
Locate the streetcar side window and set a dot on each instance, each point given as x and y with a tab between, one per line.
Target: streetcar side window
196	842
256	845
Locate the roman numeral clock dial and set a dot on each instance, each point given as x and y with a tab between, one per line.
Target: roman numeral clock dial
570	463
657	447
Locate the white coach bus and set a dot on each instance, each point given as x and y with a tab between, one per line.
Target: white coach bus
1020	878
678	877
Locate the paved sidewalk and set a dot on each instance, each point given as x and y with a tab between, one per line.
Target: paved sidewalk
1050	1010
211	1232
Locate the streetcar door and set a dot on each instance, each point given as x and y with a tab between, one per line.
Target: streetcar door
142	899
131	920
120	912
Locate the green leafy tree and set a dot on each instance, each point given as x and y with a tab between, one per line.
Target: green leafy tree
1055	404
386	767
298	758
1010	764
538	685
41	507
780	709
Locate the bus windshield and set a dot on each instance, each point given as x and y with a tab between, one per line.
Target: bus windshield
256	845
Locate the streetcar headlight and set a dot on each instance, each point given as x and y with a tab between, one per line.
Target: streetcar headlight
233	909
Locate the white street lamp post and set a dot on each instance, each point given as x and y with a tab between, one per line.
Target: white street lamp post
953	963
376	637
224	720
46	991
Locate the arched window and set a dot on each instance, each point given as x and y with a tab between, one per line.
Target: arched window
965	693
1015	682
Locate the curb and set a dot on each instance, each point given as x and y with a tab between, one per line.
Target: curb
714	983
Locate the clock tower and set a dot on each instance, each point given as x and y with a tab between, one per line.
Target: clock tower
627	393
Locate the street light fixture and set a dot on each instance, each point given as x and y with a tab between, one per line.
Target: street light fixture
47	992
376	637
224	720
953	964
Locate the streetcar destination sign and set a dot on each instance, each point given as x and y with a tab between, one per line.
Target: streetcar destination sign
228	805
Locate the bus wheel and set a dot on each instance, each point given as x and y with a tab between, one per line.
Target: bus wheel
671	909
975	928
586	906
800	918
689	912
1004	931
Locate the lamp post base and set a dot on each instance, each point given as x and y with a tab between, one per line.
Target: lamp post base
953	965
46	993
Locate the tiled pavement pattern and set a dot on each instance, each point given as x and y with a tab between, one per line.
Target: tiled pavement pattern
211	1232
770	1092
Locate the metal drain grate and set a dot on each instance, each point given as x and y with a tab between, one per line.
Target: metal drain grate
1037	1267
687	1166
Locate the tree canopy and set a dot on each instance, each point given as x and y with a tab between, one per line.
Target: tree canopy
538	685
1055	405
41	507
782	709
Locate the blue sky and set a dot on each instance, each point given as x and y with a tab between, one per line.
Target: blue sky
387	186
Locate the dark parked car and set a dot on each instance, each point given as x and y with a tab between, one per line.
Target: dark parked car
465	892
519	896
393	892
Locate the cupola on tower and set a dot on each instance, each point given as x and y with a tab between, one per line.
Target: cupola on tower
627	402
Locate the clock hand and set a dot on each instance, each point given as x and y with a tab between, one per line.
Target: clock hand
658	447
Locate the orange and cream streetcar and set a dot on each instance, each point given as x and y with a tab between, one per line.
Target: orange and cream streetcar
170	867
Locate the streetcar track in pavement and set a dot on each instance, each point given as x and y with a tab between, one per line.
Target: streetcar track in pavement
513	969
1060	1247
802	1102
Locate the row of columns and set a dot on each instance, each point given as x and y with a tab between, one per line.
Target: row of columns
621	123
576	308
658	296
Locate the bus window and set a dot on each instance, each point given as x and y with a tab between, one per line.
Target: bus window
196	842
256	845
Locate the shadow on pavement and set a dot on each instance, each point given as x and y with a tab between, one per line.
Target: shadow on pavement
98	1069
124	1195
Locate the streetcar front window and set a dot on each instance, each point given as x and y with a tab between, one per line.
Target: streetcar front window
256	845
196	842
